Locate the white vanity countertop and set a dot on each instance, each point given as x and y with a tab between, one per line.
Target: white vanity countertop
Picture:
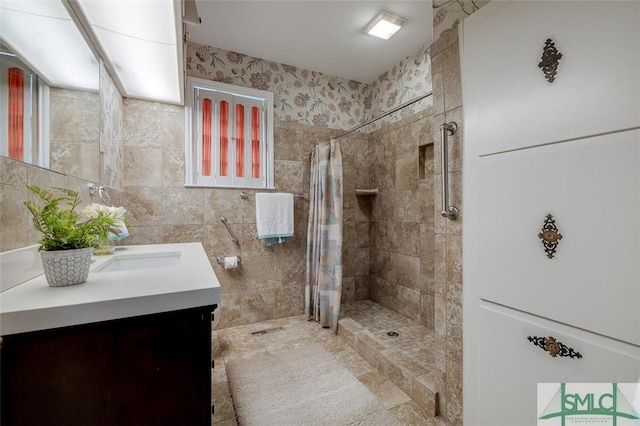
34	305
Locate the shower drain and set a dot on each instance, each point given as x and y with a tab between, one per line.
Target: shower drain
267	330
392	334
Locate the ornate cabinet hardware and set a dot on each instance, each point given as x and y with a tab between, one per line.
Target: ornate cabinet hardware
555	348
549	61
549	236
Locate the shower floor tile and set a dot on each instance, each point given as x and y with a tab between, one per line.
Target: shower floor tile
401	350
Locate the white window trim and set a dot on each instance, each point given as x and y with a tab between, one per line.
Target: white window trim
44	118
192	147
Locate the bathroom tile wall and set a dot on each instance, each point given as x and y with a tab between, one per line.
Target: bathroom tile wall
408	236
16	227
402	226
74	139
269	283
392	230
110	129
356	167
447	105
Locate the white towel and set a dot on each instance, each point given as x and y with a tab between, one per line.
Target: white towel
274	216
118	232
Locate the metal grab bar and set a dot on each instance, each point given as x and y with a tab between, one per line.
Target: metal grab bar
233	236
446	130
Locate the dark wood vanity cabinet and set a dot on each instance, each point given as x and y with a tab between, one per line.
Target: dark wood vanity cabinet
146	370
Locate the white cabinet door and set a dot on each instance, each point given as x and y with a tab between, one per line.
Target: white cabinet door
570	148
596	89
592	189
511	366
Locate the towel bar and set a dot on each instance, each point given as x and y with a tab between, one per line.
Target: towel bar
245	196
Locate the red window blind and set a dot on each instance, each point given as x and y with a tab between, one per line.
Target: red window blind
16	113
206	137
240	140
224	138
255	142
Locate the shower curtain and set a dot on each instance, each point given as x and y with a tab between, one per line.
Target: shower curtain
324	236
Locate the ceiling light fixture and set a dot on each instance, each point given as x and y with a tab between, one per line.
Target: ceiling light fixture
384	25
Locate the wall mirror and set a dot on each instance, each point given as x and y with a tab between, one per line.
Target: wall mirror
49	89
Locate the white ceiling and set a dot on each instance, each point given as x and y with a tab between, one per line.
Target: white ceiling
323	36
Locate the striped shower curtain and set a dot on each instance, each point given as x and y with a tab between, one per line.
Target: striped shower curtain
324	236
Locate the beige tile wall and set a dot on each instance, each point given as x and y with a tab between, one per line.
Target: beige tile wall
16	228
74	137
270	280
110	129
415	254
447	103
402	234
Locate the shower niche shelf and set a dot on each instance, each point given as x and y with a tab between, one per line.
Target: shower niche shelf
368	191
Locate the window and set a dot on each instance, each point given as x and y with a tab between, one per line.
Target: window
229	135
22	99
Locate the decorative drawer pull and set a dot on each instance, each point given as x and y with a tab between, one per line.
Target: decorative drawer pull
550	236
555	348
549	61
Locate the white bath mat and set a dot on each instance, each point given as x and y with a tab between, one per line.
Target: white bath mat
303	386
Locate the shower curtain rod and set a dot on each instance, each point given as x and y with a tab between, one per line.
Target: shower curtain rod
384	114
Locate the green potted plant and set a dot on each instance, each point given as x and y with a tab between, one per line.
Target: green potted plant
67	242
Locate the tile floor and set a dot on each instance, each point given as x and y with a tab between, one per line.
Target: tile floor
291	332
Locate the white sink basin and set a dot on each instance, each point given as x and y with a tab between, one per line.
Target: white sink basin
128	262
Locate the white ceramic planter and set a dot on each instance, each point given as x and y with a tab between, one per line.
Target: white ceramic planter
66	267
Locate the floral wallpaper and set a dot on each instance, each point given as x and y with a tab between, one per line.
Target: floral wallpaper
300	95
311	97
111	127
447	13
405	81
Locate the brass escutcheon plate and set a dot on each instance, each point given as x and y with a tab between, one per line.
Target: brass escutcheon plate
550	236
